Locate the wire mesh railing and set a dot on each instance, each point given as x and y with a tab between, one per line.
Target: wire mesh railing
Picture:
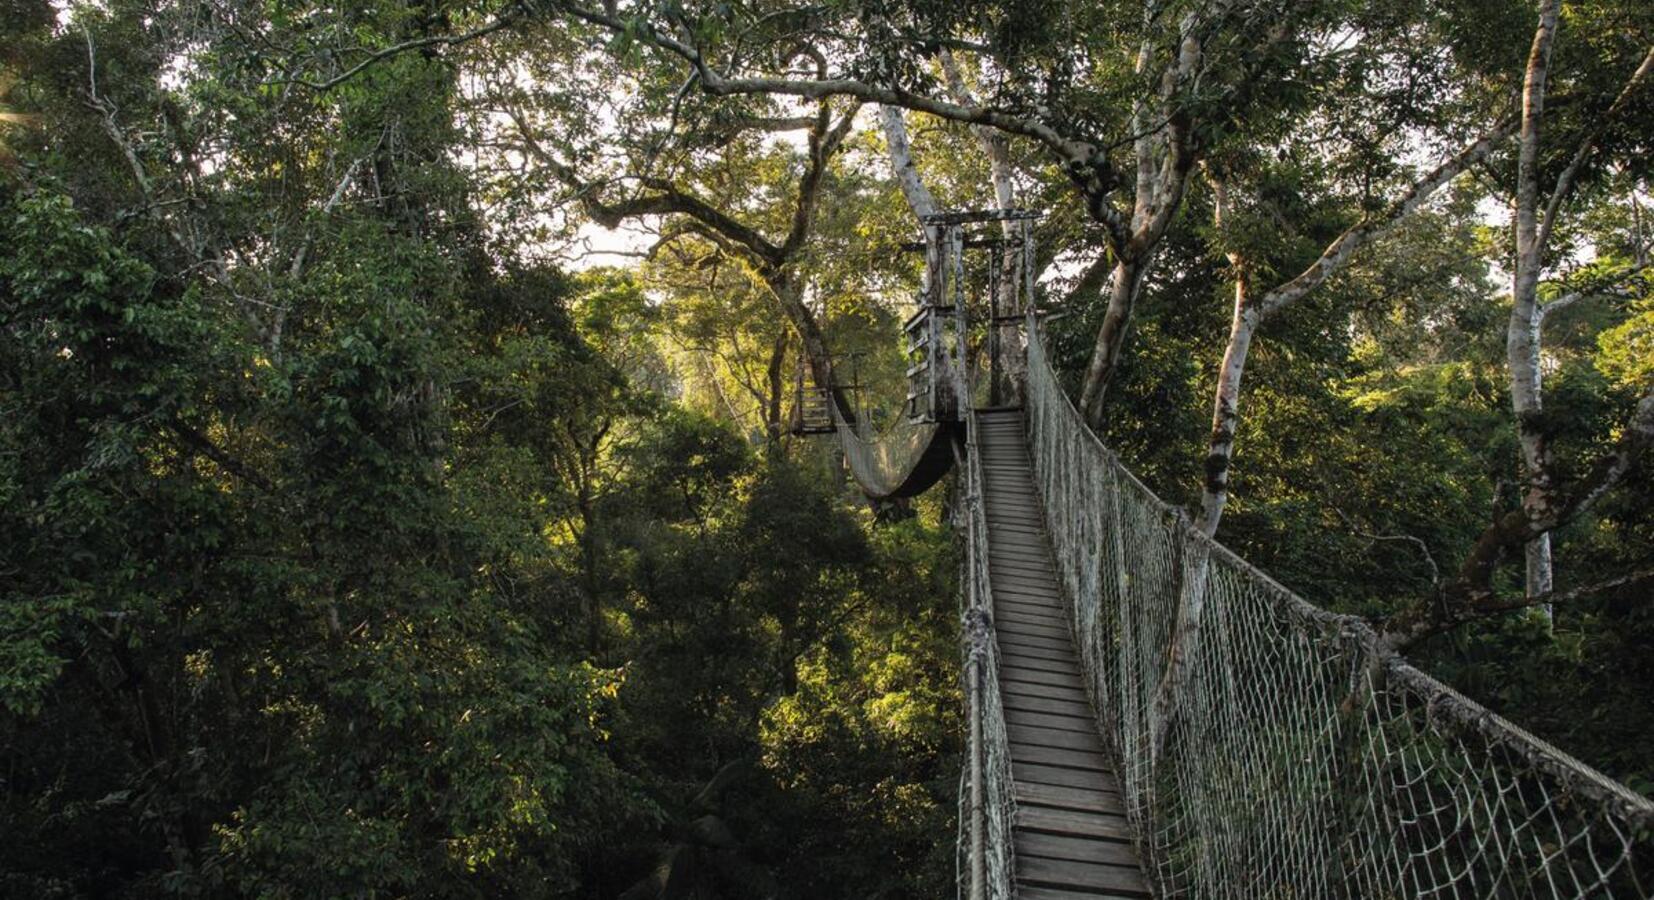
1268	748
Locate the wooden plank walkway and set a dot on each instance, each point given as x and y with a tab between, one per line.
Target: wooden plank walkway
1072	839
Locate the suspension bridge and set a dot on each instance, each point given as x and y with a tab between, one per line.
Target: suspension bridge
1151	716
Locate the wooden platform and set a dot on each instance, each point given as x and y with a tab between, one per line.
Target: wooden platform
1072	839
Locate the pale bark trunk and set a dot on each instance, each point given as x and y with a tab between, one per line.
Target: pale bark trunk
919	198
1226	411
1008	355
1158	192
1522	336
1105	355
1249	314
1637	224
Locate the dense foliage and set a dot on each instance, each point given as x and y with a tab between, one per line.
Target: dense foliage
364	532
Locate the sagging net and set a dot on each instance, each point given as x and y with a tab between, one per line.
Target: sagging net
1290	754
883	465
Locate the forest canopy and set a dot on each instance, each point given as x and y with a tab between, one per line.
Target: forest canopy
402	487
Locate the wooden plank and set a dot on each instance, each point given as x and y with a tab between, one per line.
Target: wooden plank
1023	614
1005	514
1012	549
1002	520
1056	737
1024	656
1075	776
1046	612
1032	530
1034	614
1026	620
1026	555
1037	557
1032	587
1038	871
1019	541
1012	489
1052	737
1054	686
1043	587
1022	562
1027	593
1048	820
1070	798
1023	661
1034	618
1030	892
1023	576
1061	645
1077	760
1037	718
1028	611
1044	691
1016	646
1034	634
1039	603
1033	676
1068	709
1078	849
1014	623
1014	599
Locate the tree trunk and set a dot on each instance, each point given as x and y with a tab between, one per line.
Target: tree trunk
1009	355
1125	283
1226	410
775	384
1522	335
815	343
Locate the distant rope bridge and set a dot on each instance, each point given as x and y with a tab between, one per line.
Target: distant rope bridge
1150	715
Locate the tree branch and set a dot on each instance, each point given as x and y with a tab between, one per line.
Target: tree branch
1565	180
1358	235
1401	632
505	20
1083	162
1572	297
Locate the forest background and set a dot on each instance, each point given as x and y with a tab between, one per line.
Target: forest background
374	523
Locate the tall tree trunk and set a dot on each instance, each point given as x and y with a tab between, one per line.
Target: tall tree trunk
1009	355
1124	285
810	335
1226	409
1250	313
775	385
1522	335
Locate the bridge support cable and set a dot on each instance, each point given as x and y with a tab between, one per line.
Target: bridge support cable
1269	748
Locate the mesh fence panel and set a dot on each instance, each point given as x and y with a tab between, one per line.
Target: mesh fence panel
1290	754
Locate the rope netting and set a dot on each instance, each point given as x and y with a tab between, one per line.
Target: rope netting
883	466
1268	748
